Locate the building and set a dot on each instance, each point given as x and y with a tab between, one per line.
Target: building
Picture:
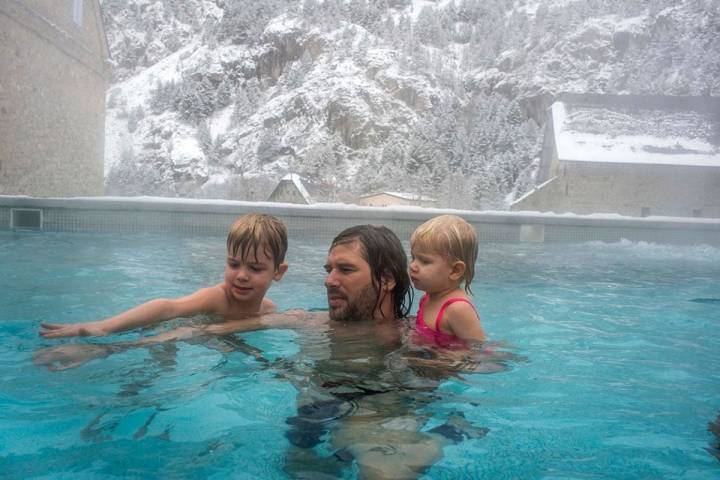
630	155
53	75
386	199
291	189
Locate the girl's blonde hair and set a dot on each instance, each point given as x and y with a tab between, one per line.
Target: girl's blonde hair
452	237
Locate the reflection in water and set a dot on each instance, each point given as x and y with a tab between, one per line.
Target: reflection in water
706	300
363	396
714	428
162	359
367	396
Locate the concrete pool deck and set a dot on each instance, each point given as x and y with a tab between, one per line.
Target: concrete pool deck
213	217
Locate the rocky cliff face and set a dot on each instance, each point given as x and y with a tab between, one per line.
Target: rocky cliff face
207	102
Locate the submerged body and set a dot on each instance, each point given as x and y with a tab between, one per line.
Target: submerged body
592	317
362	389
352	382
430	331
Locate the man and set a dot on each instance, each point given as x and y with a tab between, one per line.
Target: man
359	389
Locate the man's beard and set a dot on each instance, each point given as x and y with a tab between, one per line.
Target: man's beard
360	308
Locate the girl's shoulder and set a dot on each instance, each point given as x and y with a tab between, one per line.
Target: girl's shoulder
460	305
457	296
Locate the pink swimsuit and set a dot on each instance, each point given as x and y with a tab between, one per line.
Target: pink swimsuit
437	336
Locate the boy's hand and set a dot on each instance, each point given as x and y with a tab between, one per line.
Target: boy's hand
61	357
57	330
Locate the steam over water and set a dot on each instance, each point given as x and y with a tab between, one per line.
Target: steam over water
601	362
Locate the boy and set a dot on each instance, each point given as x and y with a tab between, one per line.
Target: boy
256	247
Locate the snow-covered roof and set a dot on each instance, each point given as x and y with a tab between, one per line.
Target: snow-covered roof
637	132
403	195
297	181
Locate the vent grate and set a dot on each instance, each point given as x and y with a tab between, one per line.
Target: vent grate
26	218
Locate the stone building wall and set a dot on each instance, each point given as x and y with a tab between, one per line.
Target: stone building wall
386	200
52	99
627	189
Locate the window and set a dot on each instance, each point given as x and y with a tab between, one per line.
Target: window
78	12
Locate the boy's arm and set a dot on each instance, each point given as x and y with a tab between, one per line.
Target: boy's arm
206	300
61	357
464	322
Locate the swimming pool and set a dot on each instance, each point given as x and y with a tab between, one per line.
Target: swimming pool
616	374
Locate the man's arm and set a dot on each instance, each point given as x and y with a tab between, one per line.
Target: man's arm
206	300
292	319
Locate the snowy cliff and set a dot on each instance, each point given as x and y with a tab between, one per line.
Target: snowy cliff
222	98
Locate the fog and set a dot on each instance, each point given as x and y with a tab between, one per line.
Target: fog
580	107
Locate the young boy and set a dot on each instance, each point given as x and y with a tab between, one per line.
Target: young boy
256	247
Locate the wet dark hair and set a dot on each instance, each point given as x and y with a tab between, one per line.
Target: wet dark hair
384	253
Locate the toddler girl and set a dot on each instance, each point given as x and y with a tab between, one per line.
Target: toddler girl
444	250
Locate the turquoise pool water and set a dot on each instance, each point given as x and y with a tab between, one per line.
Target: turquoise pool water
619	378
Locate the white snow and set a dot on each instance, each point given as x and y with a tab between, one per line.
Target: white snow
418	5
136	88
632	24
282	25
186	150
635	149
530	192
220	122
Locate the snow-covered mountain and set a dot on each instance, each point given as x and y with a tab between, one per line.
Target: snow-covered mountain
222	98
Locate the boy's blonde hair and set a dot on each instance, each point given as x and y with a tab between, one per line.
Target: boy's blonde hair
257	230
452	237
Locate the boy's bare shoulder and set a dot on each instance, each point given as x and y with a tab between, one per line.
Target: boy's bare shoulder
219	297
205	300
268	306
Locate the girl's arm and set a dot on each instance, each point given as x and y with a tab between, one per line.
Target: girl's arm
206	300
464	322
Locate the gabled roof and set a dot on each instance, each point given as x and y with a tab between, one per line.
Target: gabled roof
637	129
297	181
403	195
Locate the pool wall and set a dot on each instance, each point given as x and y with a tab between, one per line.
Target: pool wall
213	217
